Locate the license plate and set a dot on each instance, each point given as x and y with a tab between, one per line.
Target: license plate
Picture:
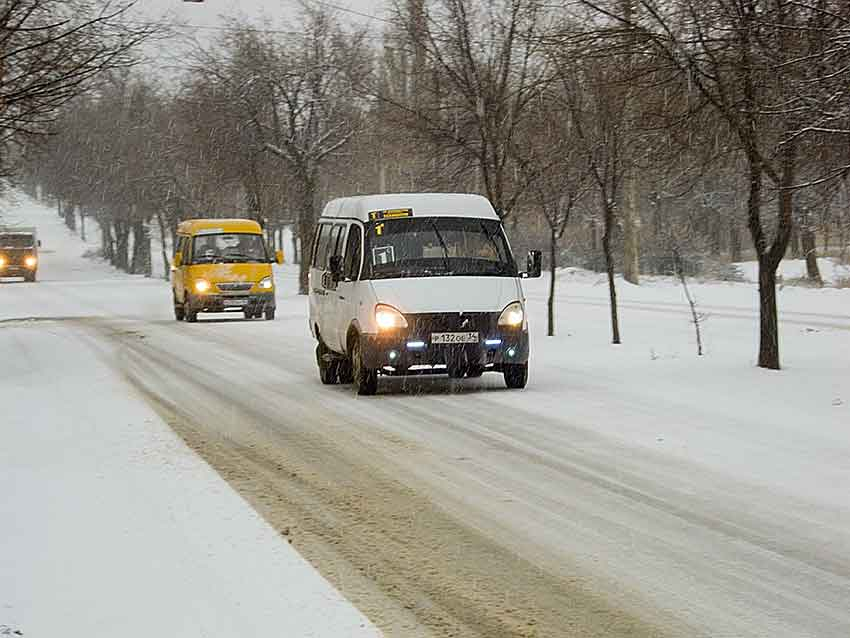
454	337
236	301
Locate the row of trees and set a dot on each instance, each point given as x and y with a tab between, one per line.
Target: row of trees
642	135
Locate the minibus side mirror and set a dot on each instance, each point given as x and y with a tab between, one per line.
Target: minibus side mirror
336	267
534	267
278	257
178	259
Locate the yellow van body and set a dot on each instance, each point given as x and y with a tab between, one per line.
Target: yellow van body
222	265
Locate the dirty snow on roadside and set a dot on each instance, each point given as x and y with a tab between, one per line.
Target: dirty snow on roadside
109	524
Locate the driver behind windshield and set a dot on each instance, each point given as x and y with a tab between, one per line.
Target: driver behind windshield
231	247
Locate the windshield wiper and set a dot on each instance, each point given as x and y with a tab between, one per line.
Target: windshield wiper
443	244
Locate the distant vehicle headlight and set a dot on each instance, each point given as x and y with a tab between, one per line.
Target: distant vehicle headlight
266	283
201	285
388	318
513	316
30	261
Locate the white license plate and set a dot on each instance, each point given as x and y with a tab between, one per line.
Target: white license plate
454	337
236	301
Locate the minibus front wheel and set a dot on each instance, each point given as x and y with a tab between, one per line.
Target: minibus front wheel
366	379
516	375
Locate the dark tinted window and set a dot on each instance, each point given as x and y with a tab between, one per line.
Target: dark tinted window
229	248
320	252
17	240
437	246
336	243
353	249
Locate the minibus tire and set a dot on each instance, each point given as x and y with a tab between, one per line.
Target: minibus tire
269	314
345	372
475	372
328	370
179	312
191	316
516	375
365	379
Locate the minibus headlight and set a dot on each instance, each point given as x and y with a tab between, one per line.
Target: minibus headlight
388	318
513	316
201	285
266	283
2	261
30	261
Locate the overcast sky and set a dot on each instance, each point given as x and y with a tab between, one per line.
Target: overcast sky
202	22
215	12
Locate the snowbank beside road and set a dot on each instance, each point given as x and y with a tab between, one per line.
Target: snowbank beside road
831	270
111	526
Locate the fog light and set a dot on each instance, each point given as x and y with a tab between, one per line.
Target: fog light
511	352
393	355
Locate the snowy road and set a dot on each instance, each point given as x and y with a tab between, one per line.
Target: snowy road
628	492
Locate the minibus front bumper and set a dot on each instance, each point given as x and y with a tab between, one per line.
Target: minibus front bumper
254	303
403	354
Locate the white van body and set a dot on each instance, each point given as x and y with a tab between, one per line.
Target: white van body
407	252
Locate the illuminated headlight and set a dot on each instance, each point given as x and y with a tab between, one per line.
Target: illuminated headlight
30	261
201	285
388	318
266	284
2	261
513	316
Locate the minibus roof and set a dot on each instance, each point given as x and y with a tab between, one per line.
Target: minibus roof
394	205
195	226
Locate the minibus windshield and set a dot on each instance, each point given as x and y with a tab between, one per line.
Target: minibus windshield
16	240
438	247
229	248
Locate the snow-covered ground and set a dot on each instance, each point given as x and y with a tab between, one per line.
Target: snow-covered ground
696	488
109	524
831	271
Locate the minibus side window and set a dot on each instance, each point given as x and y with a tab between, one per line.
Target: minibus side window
320	254
336	244
353	249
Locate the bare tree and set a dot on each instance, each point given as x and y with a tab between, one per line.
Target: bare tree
772	71
298	96
51	51
474	70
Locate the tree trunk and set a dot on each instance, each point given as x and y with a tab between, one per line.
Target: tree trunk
82	223
122	246
810	251
553	263
609	267
631	233
768	317
166	263
141	263
71	217
795	242
734	241
106	244
306	230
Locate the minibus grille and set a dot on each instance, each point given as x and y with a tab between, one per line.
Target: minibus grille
235	286
424	324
